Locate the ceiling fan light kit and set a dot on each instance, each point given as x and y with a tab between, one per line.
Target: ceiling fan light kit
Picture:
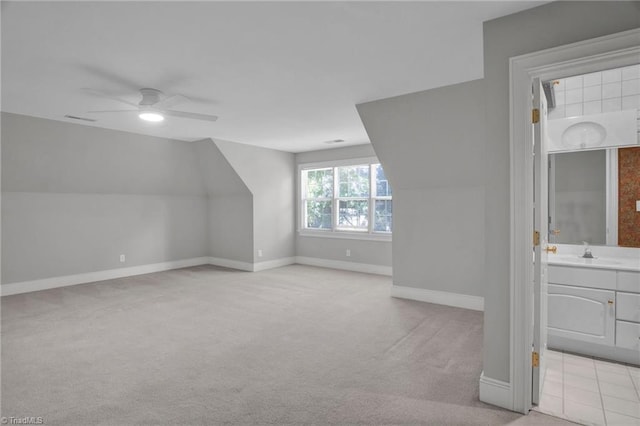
151	116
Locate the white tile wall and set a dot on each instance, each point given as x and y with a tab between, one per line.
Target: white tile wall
605	91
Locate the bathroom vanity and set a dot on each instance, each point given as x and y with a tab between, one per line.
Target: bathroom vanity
594	304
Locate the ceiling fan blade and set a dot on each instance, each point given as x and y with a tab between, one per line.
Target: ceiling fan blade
170	101
111	77
100	94
192	115
113	110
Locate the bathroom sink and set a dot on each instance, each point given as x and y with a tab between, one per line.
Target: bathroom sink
596	262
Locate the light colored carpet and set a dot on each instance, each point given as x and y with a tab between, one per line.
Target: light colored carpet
204	345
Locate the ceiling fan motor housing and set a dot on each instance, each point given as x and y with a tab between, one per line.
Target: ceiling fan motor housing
150	96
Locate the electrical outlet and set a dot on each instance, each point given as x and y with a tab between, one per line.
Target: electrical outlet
259	253
123	258
348	253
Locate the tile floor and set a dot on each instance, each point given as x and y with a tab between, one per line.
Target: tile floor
590	391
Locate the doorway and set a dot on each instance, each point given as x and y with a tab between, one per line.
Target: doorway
618	50
581	382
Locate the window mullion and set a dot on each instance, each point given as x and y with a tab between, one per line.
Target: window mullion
303	205
336	188
371	195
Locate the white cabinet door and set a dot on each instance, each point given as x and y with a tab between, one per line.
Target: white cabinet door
583	314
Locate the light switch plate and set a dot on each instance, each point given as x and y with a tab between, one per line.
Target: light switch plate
638	205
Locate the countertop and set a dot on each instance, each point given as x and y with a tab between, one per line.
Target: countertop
617	263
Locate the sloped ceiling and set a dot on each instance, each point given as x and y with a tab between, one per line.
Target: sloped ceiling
48	156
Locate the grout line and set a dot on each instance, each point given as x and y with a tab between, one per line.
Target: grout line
563	383
604	413
635	386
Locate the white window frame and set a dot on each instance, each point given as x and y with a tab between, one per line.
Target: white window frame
335	232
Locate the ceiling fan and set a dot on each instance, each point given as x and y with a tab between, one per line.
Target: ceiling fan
154	106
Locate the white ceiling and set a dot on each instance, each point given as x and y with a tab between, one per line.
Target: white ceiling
280	75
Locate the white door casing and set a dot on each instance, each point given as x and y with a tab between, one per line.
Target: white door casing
615	50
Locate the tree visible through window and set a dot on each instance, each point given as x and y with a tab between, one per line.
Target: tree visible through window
319	198
347	198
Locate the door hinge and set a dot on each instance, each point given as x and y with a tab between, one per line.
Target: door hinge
535	359
535	115
536	238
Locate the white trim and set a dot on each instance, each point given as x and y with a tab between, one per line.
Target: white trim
360	161
232	264
109	274
335	232
346	266
614	50
271	264
612	197
439	297
89	277
496	392
364	236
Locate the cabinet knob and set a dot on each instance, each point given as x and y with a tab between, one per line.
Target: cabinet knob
610	302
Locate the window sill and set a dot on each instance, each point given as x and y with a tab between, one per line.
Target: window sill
345	235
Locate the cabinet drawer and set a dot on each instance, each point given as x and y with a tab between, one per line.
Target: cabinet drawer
628	335
582	277
629	281
628	306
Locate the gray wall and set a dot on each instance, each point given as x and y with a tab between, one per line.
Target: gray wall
431	145
580	197
230	205
269	175
362	251
230	223
75	197
547	26
48	235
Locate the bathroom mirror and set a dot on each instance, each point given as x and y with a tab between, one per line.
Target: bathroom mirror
592	197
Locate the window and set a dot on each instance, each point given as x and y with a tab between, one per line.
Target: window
347	198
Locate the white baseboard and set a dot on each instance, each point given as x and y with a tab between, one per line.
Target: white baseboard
228	263
271	264
89	277
496	392
347	266
475	303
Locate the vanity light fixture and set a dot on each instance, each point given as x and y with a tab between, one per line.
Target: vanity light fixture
151	116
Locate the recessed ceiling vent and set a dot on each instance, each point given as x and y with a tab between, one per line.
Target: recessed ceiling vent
73	117
334	141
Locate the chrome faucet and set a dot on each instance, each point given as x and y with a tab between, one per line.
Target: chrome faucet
587	251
